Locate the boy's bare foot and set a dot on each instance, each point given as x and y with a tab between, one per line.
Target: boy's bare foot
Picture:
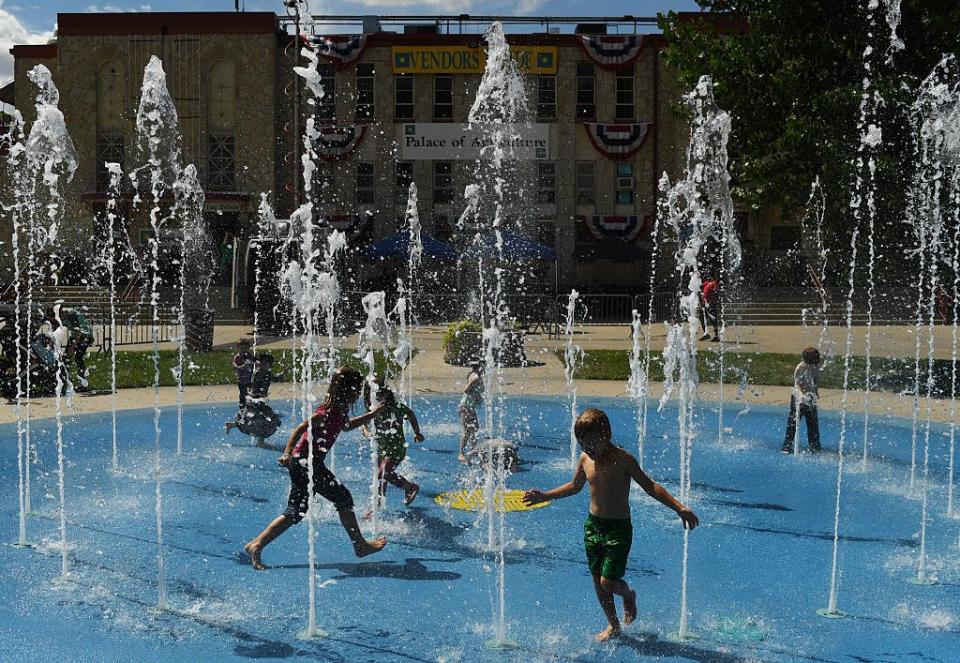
608	633
411	494
254	552
369	547
228	426
630	607
462	458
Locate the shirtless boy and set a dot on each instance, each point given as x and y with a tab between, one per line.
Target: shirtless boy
608	533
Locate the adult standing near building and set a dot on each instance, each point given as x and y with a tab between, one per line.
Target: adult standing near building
710	308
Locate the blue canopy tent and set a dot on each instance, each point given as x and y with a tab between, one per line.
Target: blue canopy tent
516	248
398	246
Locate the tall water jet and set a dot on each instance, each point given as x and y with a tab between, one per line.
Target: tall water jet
637	382
937	102
50	156
196	269
13	141
861	198
648	338
110	262
499	105
158	143
573	357
374	336
699	209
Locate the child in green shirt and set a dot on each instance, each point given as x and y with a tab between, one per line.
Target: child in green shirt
391	443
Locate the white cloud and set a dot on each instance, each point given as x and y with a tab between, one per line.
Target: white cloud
114	9
12	31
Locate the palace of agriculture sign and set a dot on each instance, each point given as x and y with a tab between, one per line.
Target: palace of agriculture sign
444	141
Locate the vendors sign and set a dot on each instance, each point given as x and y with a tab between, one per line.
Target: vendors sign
450	142
468	60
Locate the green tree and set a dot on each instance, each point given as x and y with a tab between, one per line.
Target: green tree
790	73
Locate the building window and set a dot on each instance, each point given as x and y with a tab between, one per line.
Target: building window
546	98
546	182
109	150
110	98
442	98
443	182
585	184
624	110
364	92
624	185
403	97
364	192
547	232
221	114
322	177
403	176
221	162
327	108
442	229
586	91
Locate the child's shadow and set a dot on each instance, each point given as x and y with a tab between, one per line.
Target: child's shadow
413	568
649	644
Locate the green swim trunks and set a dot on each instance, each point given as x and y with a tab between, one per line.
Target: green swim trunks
607	542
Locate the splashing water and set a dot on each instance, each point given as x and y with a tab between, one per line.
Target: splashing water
699	209
573	357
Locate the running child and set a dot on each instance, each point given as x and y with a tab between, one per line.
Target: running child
608	532
391	443
331	417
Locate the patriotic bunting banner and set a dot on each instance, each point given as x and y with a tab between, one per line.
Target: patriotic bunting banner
623	228
616	141
337	142
613	51
341	50
349	224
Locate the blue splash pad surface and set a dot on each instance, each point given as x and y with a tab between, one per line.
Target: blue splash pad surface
759	563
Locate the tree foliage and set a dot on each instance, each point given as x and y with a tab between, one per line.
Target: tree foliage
790	73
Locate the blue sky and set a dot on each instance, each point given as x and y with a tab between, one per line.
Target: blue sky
39	15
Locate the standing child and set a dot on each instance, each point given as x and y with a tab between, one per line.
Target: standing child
391	443
319	433
710	308
608	533
470	402
806	380
243	368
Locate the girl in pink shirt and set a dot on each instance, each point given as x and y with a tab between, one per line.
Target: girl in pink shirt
322	429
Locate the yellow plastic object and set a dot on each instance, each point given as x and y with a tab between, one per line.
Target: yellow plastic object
473	500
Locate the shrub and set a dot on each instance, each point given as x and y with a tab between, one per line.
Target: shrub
460	342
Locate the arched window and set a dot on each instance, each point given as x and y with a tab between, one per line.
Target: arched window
221	117
111	92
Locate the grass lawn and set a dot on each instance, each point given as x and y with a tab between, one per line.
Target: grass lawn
135	369
771	368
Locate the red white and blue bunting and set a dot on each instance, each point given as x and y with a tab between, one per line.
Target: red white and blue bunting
341	50
612	51
349	224
617	141
335	143
623	228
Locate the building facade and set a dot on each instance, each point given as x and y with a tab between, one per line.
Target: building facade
602	128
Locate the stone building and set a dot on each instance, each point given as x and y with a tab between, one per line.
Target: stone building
603	128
